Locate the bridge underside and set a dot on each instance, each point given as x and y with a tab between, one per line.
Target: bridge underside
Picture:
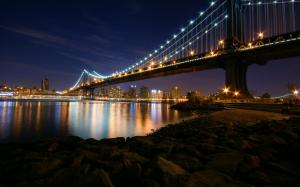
235	64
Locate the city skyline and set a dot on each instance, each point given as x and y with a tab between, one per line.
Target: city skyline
59	48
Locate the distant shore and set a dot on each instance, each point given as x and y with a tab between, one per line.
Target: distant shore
251	149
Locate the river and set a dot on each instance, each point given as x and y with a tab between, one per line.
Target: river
26	121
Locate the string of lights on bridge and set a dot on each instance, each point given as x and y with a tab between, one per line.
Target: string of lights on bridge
203	37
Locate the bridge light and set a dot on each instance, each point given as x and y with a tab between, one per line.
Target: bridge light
174	62
190	43
161	46
259	3
201	13
166	58
168	41
260	35
212	53
192	53
174	36
226	16
140	70
212	3
183	29
152	63
160	65
236	93
295	92
191	22
274	2
149	68
155	51
250	45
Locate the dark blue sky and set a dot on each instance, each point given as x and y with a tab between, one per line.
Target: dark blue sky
57	39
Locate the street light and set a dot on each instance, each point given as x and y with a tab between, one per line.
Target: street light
226	90
192	53
260	35
221	43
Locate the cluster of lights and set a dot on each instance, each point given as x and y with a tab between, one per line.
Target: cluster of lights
191	22
226	90
267	3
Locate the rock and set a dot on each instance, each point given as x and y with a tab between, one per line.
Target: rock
246	145
187	162
71	141
116	141
53	147
253	162
208	178
104	179
47	167
170	173
148	183
169	167
226	162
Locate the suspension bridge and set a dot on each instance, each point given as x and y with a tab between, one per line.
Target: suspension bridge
229	34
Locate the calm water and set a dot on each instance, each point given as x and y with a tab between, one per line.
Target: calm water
28	121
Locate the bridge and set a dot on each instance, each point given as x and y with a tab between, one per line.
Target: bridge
229	34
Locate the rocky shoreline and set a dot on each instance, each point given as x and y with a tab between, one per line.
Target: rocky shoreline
199	152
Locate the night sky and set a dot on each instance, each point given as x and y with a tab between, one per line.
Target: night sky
57	39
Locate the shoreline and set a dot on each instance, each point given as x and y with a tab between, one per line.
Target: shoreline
196	152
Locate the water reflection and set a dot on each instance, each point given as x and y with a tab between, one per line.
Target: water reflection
28	121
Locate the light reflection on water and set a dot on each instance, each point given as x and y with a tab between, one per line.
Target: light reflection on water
28	121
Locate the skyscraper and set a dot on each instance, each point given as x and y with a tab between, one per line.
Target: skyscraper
132	93
144	92
45	84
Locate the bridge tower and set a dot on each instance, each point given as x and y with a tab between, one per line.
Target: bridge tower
235	68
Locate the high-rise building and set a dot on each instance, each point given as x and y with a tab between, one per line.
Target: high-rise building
45	84
144	92
157	94
175	92
115	92
132	93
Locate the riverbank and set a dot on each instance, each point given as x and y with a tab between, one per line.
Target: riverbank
207	151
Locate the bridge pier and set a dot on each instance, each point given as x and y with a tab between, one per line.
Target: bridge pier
236	77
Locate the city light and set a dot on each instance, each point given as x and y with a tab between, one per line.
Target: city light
212	53
192	53
236	93
260	35
226	90
250	45
295	92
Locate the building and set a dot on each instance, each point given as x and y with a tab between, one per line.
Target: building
157	94
115	92
144	92
45	85
175	93
132	93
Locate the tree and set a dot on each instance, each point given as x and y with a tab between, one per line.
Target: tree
291	87
266	96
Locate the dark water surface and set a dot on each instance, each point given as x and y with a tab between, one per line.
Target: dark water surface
28	121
